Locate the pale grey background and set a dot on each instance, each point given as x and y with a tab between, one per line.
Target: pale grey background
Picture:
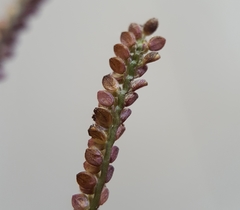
181	149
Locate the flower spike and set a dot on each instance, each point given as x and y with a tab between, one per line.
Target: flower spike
130	63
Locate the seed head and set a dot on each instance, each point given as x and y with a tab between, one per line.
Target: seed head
127	39
91	168
109	173
80	202
117	65
110	83
92	142
121	51
151	57
141	71
86	180
137	84
93	156
105	98
130	98
150	26
118	77
120	131
102	117
104	195
136	29
156	43
114	154
97	133
126	112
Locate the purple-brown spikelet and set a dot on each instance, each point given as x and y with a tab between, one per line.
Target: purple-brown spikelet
128	66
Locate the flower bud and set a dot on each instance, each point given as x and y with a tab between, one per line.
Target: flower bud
126	112
120	131
93	156
88	191
136	30
96	132
117	65
86	180
150	26
109	173
105	98
156	43
128	39
104	196
141	71
118	77
93	142
151	57
80	202
114	154
136	84
102	117
121	51
91	168
110	83
130	98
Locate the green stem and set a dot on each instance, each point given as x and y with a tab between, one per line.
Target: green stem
131	66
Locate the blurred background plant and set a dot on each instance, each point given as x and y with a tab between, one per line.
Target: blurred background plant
14	20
